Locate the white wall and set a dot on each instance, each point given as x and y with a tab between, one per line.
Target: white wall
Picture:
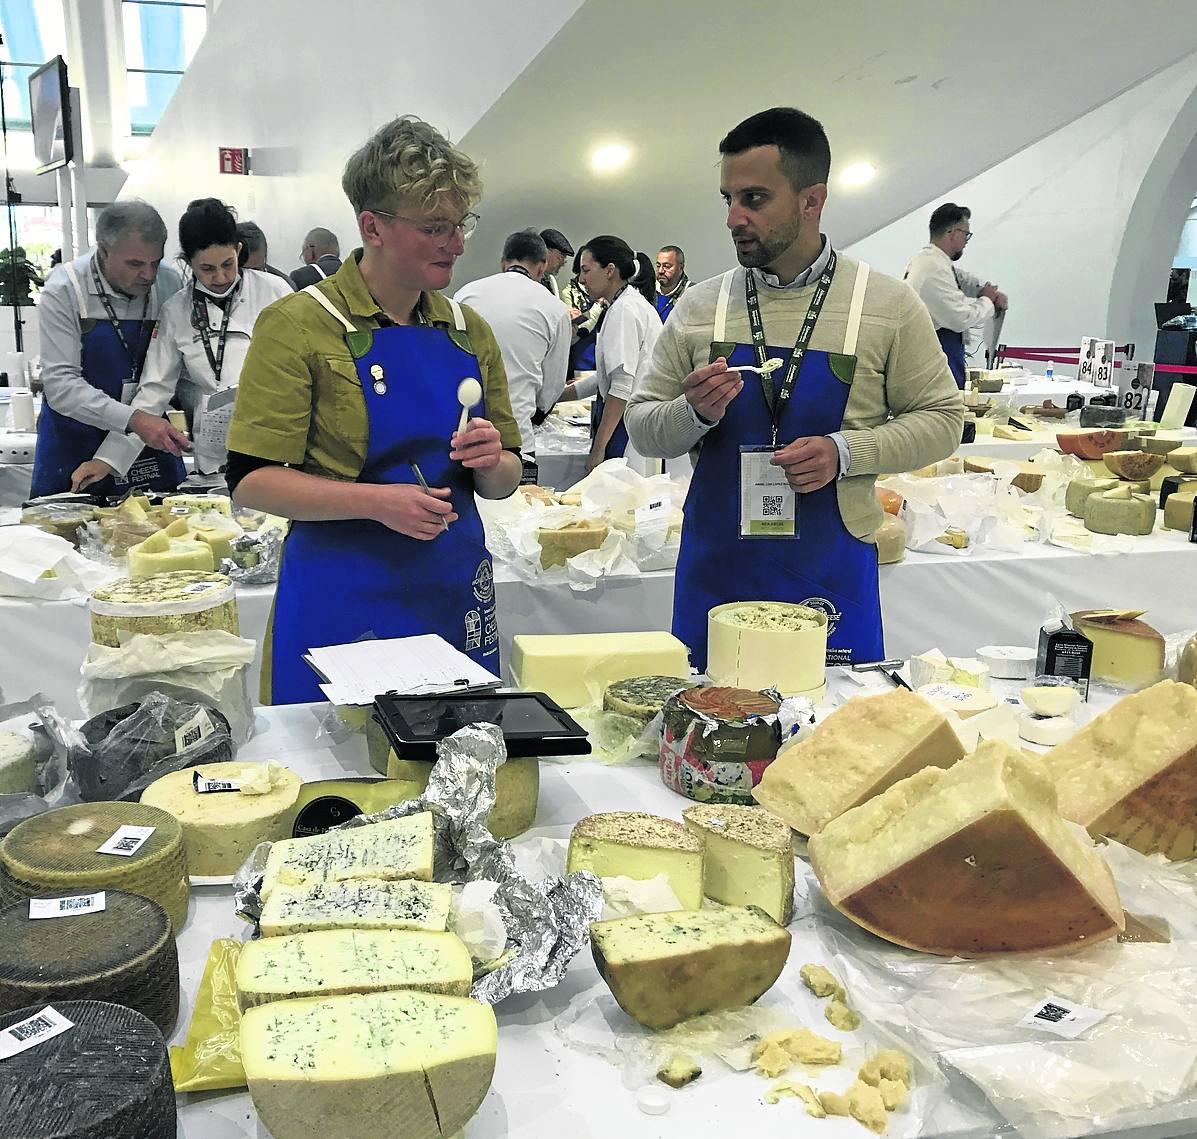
1080	228
1186	252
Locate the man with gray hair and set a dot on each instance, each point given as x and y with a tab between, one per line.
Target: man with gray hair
97	315
321	256
533	330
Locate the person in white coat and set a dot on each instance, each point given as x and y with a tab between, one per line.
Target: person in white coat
199	344
956	299
609	270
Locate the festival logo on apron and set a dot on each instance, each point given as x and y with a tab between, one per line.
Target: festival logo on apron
484	583
827	608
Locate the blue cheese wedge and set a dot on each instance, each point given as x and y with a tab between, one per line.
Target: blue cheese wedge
392	850
412	1064
337	962
362	904
665	968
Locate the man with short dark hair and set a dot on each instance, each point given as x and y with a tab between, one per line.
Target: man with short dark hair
559	249
671	278
321	256
956	300
533	331
786	462
254	250
97	315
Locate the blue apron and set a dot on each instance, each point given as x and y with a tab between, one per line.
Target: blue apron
618	443
953	349
825	567
342	581
64	443
664	305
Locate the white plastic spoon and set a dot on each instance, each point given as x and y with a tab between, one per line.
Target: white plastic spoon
768	367
469	392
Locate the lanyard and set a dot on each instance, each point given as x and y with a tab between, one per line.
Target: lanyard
199	311
776	401
135	362
518	269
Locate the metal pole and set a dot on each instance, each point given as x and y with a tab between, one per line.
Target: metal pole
9	194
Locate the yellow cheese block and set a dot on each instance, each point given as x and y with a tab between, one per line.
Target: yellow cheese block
1178	510
199	503
1131	774
1184	460
632	844
972	861
163	553
361	903
574	669
1126	651
558	546
858	751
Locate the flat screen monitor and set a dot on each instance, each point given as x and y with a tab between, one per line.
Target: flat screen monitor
50	107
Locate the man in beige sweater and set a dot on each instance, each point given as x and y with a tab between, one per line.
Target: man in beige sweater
781	506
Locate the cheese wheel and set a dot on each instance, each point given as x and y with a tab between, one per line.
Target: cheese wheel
124	954
964	701
1050	700
1120	511
107	1076
57	852
1047	731
767	644
185	601
1008	662
221	828
17	763
642	697
1078	491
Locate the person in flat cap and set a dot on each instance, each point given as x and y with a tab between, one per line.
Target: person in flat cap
559	250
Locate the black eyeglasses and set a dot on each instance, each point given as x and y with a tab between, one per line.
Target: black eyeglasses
441	232
968	234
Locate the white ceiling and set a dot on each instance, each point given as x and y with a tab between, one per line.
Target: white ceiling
929	91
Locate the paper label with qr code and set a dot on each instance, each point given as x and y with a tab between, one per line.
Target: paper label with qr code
768	505
1062	1017
67	907
192	731
127	840
32	1031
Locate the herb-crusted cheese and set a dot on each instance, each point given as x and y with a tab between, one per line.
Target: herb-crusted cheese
641	697
412	1064
392	850
665	968
181	601
363	904
336	962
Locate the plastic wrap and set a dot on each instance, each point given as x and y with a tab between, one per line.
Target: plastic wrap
210	1057
36	564
54	741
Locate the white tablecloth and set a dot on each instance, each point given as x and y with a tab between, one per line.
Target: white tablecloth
1037	390
928	601
543	1089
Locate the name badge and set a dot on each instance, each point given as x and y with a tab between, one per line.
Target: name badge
768	504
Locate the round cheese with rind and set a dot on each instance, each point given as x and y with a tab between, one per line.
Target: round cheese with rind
1046	731
17	763
1120	511
180	601
1050	700
642	697
767	644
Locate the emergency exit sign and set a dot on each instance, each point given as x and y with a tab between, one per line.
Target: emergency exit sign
234	160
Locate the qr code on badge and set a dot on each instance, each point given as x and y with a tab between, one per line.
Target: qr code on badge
772	505
1054	1013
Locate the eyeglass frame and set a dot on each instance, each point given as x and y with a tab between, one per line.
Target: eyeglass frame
968	233
466	226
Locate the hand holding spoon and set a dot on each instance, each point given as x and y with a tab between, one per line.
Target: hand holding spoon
766	369
469	393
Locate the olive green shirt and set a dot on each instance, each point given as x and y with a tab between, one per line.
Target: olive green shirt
300	400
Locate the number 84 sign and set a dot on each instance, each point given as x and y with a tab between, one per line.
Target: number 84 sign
1096	361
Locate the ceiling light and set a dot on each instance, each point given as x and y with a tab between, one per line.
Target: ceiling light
608	158
858	174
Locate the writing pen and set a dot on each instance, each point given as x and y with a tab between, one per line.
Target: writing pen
424	487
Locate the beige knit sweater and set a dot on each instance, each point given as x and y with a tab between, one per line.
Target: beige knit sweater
904	410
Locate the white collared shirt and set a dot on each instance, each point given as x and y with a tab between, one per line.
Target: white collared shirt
947	290
177	362
624	343
808	275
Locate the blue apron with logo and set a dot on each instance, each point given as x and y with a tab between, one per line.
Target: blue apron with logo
345	580
953	349
64	443
824	567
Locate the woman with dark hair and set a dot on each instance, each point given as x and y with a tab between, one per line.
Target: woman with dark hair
199	345
611	271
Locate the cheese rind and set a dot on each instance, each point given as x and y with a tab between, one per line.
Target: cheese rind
1050	700
1046	731
336	962
1120	511
631	844
767	644
1131	773
415	1064
1132	464
665	968
361	904
17	767
1126	651
971	861
749	857
863	747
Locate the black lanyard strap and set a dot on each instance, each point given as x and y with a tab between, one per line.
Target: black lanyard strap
136	360
776	401
199	317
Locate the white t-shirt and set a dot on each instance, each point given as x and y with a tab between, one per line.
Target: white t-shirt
625	343
533	332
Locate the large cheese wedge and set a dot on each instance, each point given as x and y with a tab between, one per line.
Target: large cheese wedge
665	968
1078	491
365	903
1131	773
575	668
1184	460
1132	464
968	862
334	962
221	828
1126	651
749	857
1160	446
392	850
1178	509
857	752
558	546
1120	511
412	1064
1092	444
631	844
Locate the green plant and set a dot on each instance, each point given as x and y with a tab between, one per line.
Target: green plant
17	270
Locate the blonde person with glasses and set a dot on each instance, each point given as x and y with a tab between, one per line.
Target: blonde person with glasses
346	423
956	300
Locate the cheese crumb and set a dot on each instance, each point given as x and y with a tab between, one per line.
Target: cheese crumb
893	1093
833	1103
841	1016
820	981
889	1064
771	1059
779	1051
679	1071
810	1099
866	1106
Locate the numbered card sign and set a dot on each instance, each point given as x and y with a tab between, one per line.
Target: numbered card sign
1096	361
1134	388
